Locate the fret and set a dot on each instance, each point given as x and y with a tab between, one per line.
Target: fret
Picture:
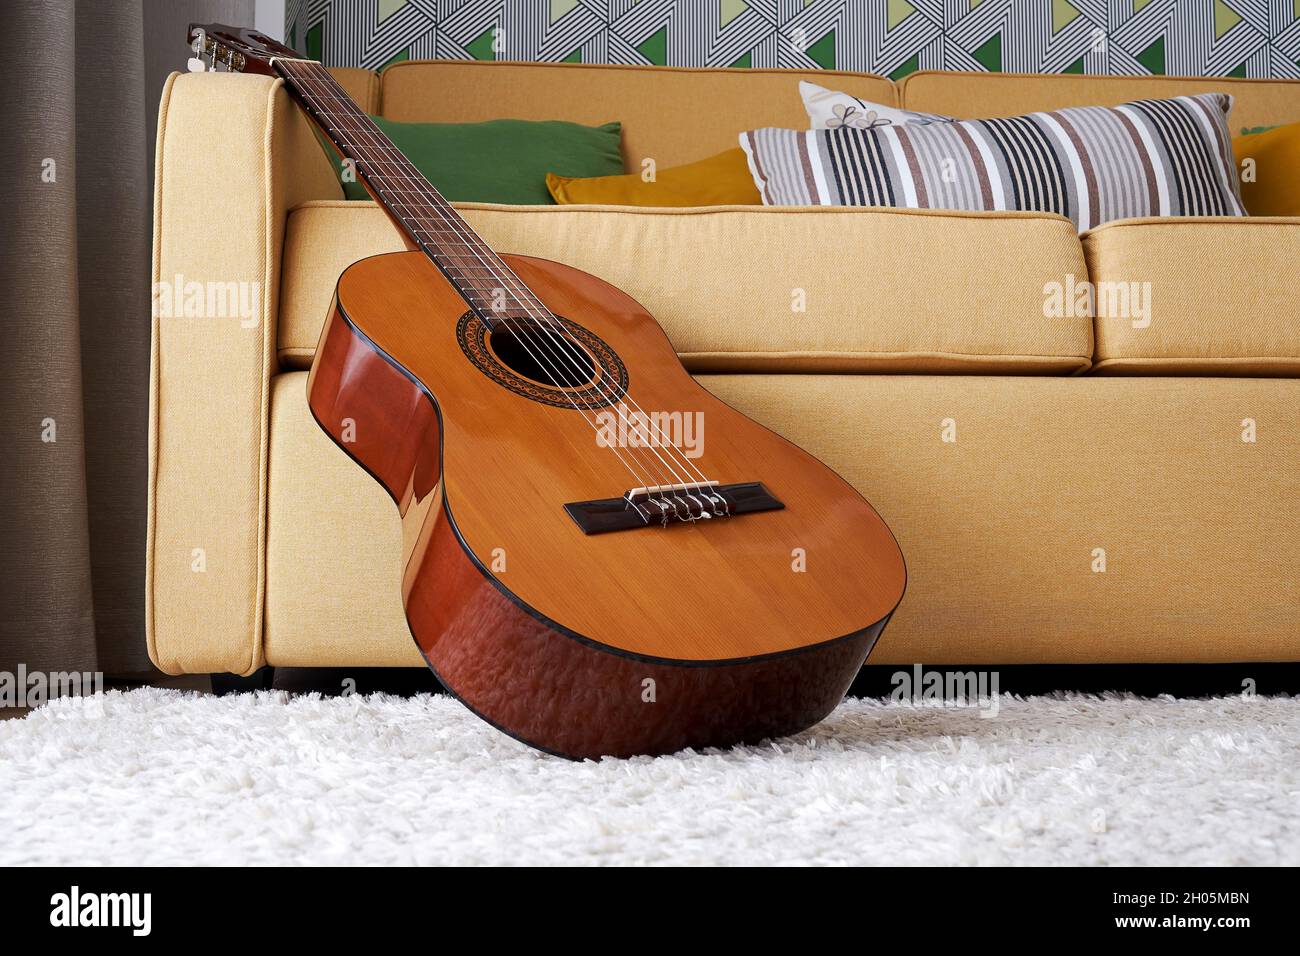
467	274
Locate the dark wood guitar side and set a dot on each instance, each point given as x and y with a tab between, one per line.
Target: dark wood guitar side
584	590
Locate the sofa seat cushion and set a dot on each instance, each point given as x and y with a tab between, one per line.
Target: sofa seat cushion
1201	296
1020	547
751	289
1065	520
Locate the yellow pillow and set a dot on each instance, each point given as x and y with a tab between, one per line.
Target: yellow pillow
1276	187
721	180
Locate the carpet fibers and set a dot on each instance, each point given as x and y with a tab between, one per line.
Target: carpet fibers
163	777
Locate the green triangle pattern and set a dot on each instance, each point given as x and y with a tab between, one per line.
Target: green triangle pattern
989	53
911	66
655	47
1063	14
823	52
1225	18
896	11
480	48
730	9
1153	57
386	8
316	42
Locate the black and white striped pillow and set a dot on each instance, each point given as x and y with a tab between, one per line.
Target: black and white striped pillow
1092	164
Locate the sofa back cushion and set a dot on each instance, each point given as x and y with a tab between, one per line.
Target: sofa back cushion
361	85
678	115
746	288
1196	296
975	95
671	115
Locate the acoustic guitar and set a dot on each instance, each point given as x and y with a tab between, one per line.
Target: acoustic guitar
575	573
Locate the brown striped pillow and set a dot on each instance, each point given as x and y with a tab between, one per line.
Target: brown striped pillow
1092	164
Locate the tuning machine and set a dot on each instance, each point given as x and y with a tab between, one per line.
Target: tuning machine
201	46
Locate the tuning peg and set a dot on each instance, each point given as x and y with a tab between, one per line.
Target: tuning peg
196	64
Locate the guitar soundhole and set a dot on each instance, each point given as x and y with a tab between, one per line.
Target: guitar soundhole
543	358
566	366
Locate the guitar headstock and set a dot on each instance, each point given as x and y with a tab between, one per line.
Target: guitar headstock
216	46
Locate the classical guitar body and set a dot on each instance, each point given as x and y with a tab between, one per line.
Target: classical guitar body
600	557
576	637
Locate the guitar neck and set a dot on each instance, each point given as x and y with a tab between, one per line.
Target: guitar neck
480	276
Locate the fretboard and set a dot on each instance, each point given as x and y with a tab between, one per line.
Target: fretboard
487	284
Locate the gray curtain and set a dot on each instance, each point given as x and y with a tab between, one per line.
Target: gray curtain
81	81
75	274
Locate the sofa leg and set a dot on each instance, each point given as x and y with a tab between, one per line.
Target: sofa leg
223	684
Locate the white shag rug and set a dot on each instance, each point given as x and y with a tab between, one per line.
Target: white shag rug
164	777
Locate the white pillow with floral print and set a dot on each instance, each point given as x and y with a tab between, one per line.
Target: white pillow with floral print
830	109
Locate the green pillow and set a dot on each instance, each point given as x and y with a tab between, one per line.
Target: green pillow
503	161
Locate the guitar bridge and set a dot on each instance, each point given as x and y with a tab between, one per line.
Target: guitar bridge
663	505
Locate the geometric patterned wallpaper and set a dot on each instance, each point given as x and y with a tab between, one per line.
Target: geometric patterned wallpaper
1255	38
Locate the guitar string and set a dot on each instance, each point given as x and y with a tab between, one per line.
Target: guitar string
572	346
659	483
339	117
470	239
634	470
566	349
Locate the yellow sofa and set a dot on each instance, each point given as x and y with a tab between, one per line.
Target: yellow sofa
1066	489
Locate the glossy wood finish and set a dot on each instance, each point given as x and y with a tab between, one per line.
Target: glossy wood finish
748	626
374	413
568	697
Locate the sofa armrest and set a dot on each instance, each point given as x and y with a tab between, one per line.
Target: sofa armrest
233	155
